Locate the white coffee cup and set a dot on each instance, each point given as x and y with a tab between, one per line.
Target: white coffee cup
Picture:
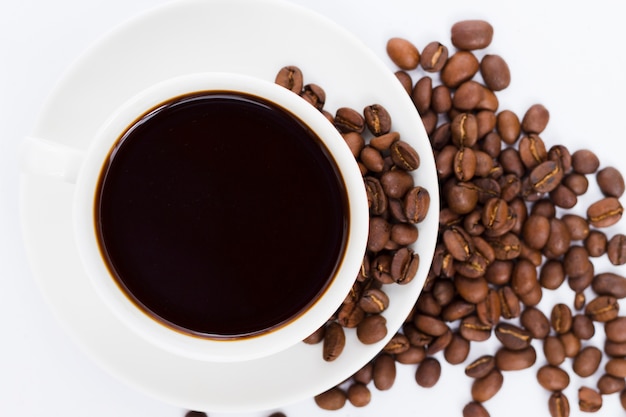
83	168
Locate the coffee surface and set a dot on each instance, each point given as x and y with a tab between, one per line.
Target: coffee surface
221	214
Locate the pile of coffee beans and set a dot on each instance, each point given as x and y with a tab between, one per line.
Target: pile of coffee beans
396	206
506	234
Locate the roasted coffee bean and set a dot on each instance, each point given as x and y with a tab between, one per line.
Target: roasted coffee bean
374	301
506	247
485	388
509	303
412	356
457	350
350	315
524	277
379	234
499	272
383	143
434	57
315	337
430	325
359	395
515	360
512	337
315	95
464	130
615	330
439	343
334	341
475	409
561	155
611	182
546	176
602	308
554	350
355	142
428	372
571	344
585	161
443	291
615	349
536	231
372	159
508	126
579	300
558	405
535	119
404	265
457	309
609	283
533	297
582	327
552	378
291	78
467	96
349	120
377	119
495	72
471	34
587	361
535	322
608	384
376	198
405	80
488	310
441	102
616	367
333	399
577	225
460	67
481	366
532	151
384	372
458	243
578	183
616	249
372	329
461	197
472	329
596	243
427	304
473	290
416	204
559	240
403	53
561	318
563	197
511	162
422	94
464	164
589	400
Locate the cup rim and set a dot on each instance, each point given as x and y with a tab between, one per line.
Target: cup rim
150	328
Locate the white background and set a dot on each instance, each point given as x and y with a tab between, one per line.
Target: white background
567	56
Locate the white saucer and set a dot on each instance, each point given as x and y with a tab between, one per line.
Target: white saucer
245	36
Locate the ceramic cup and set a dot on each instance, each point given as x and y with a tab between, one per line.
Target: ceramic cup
84	169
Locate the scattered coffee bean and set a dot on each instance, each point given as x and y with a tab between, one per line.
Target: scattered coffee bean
403	53
428	372
472	34
475	409
587	361
483	389
333	399
384	372
589	400
359	395
552	378
558	405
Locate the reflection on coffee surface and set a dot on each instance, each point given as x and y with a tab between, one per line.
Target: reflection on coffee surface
221	214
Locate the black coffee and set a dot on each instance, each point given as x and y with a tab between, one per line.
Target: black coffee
221	214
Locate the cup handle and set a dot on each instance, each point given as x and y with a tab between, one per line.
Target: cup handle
52	159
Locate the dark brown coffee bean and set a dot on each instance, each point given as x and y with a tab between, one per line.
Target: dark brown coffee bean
559	241
315	337
561	318
511	162
350	315
467	96
512	337
464	130
616	367
535	322
515	360
405	80
404	155
611	182
416	204
596	243
457	350
443	291
374	301
428	372
427	304
439	343
473	290
461	197
546	176
460	67
412	356
475	409
403	53
333	399
563	197
384	372
524	277
472	329
602	308
508	126
554	350
578	183
535	119
558	405
589	400
355	142
582	327
614	349
561	155
383	143
379	234
434	56
291	78
532	151
464	164
315	95
404	265
349	120
585	161
587	361
377	119
608	384
571	344
615	330
499	272
609	283
579	300
485	388
481	366
422	94
509	303
458	243
441	102
372	159
492	143
359	395
506	247
471	34
430	325
334	341
372	329
552	378
577	225
495	72
616	249
457	309
536	231
376	197
488	310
